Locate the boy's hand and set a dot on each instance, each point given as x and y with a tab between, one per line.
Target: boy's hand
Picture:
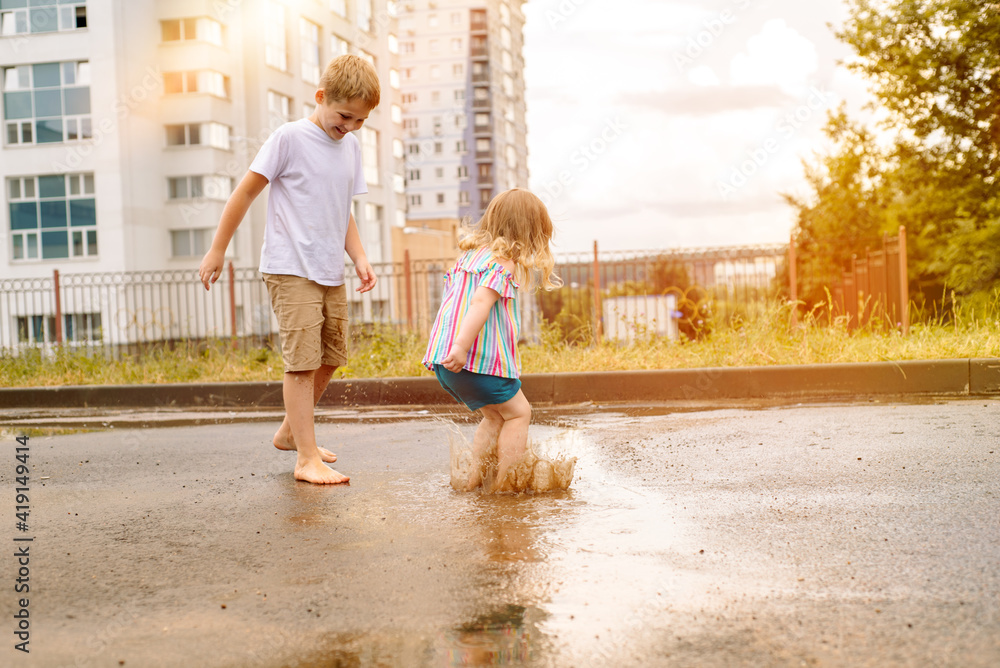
367	276
455	359
211	268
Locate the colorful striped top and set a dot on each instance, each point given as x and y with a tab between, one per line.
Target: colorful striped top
494	352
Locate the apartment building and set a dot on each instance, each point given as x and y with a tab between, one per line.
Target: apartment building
126	125
461	66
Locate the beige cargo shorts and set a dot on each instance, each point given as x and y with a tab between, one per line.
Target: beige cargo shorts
312	320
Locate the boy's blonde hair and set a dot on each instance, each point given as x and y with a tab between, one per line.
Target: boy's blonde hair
517	227
350	77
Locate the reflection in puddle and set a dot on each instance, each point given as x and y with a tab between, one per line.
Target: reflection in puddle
597	563
505	636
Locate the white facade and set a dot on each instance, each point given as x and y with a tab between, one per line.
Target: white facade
462	67
126	124
169	100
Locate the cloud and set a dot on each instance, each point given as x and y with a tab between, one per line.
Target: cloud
778	55
710	100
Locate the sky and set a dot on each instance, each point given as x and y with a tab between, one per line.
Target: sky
656	124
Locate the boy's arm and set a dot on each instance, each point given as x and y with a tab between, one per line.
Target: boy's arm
352	244
483	300
232	215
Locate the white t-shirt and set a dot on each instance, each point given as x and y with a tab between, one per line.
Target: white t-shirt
313	178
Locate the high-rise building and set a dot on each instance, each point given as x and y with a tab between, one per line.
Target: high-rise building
461	67
126	125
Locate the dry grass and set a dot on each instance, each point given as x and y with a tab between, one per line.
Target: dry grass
765	340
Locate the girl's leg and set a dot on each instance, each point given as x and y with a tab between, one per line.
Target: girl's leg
513	438
486	435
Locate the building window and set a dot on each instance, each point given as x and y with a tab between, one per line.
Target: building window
338	46
485	196
413	175
459	95
408	72
82	327
408	98
210	186
215	135
435	71
410	124
462	172
435	96
456	18
434	46
483	145
191	243
43	16
52	217
456	44
460	146
369	154
201	29
413	149
482	121
438	148
339	6
393	42
440	198
397	148
439	172
437	125
407	47
394	78
415	200
202	81
458	70
432	20
365	12
279	108
463	197
47	102
396	113
309	49
275	37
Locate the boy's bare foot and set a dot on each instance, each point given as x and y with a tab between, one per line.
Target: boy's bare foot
319	473
283	441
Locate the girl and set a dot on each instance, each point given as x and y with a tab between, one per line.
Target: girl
473	344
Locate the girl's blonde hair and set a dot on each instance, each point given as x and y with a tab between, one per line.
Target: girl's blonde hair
517	227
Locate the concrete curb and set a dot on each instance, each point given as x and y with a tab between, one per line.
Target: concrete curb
958	377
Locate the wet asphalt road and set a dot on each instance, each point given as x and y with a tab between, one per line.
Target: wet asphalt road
827	535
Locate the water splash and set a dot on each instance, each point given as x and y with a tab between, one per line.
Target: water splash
536	471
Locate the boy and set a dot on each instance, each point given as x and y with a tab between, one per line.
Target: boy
314	168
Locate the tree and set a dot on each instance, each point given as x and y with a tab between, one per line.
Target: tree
934	68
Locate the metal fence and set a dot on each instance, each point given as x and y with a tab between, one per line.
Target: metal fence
874	288
617	293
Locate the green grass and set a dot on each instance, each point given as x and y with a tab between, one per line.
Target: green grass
766	339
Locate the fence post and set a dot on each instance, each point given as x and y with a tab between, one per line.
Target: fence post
904	283
58	294
407	280
793	280
597	297
232	302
